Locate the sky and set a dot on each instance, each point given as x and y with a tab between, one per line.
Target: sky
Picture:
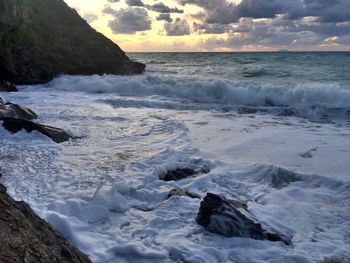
220	25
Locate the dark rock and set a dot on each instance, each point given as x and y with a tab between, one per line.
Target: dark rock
15	125
10	110
181	192
7	86
232	219
179	174
25	237
42	39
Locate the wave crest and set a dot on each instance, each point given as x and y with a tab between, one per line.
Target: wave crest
311	99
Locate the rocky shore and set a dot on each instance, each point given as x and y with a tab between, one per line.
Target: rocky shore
40	40
25	237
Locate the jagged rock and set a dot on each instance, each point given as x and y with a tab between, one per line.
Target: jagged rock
42	39
7	86
15	125
25	237
10	110
181	192
179	174
232	219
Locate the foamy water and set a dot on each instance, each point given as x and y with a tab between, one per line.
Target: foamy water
282	147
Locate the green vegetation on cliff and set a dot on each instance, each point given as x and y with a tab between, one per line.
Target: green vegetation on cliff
40	39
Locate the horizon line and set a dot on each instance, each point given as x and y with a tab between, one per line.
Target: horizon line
277	51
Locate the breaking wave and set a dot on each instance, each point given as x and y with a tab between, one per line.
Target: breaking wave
308	99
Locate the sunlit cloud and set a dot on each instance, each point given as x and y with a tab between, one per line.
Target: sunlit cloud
200	25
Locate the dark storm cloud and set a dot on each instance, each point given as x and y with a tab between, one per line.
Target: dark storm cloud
134	3
130	20
164	17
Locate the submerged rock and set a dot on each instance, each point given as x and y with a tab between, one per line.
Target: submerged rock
45	38
7	86
183	173
10	110
232	219
15	125
178	174
277	177
181	192
25	237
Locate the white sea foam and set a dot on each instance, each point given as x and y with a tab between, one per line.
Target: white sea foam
103	192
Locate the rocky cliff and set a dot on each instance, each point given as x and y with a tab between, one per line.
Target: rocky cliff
25	237
40	39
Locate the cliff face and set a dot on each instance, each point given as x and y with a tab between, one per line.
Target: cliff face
25	237
40	39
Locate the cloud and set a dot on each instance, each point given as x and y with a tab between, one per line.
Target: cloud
225	12
157	7
164	17
178	28
90	17
162	8
209	28
134	3
130	20
108	10
279	33
291	24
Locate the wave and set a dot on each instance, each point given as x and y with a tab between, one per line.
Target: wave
314	99
254	71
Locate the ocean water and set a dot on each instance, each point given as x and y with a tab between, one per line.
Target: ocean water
252	119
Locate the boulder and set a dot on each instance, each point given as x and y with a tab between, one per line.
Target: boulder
15	125
231	218
179	174
10	110
41	39
25	237
7	86
181	192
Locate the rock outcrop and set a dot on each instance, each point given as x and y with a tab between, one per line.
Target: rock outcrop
10	110
25	237
40	39
15	125
14	118
7	86
232	219
182	173
178	174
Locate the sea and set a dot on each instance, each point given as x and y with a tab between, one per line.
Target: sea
271	129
